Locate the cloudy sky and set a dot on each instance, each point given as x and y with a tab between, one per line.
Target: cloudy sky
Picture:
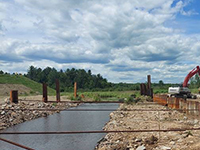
123	40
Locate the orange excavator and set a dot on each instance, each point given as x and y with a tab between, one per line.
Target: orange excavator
183	90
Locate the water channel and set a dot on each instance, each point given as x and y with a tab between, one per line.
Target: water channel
63	121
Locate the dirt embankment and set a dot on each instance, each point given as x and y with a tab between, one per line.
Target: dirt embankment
12	114
152	120
6	88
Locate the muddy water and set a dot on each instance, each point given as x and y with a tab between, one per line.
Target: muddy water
63	121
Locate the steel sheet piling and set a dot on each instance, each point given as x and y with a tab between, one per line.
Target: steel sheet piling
190	107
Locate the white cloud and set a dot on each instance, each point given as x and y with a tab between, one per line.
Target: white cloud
189	13
116	38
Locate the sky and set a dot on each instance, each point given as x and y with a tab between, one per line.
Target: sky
124	41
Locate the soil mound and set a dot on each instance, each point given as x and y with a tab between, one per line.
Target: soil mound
6	88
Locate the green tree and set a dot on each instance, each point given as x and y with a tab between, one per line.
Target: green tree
161	83
84	79
1	72
32	73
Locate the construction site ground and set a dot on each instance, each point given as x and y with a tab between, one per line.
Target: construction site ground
34	97
150	120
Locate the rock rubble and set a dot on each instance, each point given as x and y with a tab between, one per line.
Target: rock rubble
150	120
13	114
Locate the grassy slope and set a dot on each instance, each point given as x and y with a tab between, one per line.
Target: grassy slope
19	79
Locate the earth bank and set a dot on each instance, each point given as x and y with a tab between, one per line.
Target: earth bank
152	120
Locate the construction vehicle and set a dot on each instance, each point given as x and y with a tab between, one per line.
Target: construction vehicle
183	90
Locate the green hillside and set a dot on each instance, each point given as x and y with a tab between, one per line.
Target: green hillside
20	79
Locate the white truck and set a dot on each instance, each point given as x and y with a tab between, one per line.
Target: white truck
183	90
179	92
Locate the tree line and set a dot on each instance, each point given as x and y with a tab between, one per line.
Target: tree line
85	79
67	78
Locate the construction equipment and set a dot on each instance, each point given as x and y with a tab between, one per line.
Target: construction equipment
183	90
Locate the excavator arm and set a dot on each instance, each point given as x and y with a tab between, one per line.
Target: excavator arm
190	75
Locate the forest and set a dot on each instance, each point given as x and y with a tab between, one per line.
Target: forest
86	81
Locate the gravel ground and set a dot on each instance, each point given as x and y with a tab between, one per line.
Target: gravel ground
139	120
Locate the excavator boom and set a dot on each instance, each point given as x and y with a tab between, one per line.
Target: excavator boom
190	75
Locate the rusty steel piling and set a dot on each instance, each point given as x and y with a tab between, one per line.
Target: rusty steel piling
75	90
57	91
45	97
14	96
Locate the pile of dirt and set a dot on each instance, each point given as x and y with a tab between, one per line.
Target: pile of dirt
150	120
6	88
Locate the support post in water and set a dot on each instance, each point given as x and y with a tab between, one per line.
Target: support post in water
14	96
75	90
57	91
44	98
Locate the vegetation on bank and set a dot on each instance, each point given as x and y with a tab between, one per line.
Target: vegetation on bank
20	79
92	86
101	95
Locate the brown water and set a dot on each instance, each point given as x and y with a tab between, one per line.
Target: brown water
63	121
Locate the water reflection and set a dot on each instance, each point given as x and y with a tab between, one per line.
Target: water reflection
63	121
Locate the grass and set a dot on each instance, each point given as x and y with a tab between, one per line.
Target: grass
103	96
157	91
194	90
20	79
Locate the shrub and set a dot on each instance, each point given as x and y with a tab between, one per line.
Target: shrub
78	98
97	97
149	99
132	99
